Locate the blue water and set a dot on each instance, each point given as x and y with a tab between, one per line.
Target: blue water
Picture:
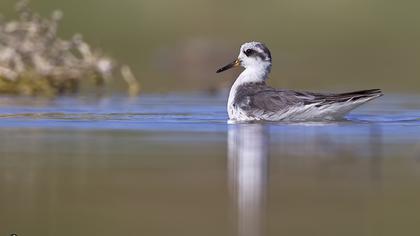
397	117
174	112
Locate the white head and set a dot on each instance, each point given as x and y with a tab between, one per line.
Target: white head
252	55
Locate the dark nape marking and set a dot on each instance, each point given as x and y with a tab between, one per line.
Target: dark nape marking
265	50
262	56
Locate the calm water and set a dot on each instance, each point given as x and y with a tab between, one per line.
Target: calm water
171	165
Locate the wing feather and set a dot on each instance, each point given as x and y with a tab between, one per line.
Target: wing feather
258	98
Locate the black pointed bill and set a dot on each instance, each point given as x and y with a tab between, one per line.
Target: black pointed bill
230	65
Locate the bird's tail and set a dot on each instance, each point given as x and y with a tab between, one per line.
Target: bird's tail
365	95
345	102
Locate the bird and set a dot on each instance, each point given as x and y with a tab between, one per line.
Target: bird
251	99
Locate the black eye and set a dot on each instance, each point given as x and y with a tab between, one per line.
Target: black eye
249	52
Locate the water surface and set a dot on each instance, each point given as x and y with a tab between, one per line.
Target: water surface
171	165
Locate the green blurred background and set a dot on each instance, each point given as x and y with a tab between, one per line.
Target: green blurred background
316	45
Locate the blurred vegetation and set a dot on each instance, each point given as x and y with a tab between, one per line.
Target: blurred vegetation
319	45
35	61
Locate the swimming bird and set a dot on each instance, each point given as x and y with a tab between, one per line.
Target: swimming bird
251	99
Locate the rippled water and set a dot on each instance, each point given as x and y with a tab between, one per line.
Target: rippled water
171	165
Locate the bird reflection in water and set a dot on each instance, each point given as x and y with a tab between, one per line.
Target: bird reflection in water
248	173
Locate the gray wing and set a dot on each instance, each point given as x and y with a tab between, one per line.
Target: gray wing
260	99
267	101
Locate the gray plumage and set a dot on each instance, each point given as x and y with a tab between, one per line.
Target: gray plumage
261	101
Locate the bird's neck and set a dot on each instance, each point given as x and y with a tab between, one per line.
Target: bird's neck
254	74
